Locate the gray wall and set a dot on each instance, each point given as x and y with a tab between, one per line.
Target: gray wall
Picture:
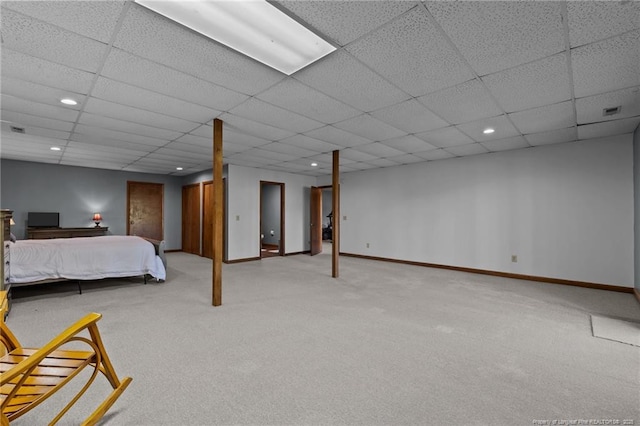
271	214
77	192
565	210
636	197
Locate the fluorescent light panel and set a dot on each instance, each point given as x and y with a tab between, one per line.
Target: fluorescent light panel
252	27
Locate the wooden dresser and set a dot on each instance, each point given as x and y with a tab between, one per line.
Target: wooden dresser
5	285
47	233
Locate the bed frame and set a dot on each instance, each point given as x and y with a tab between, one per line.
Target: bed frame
159	247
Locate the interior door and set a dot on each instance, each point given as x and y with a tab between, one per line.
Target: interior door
207	219
144	209
316	220
191	219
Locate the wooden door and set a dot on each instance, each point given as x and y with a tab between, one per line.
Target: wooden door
316	220
144	209
207	219
191	219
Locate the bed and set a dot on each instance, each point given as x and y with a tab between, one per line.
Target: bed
85	258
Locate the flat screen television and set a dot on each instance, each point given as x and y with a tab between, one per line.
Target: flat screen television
43	220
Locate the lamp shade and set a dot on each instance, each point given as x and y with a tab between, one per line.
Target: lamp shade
11	221
97	216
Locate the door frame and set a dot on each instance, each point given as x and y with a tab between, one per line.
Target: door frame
281	250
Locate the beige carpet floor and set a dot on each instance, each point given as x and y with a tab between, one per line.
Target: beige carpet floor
385	344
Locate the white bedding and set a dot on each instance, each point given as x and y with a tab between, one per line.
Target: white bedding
86	258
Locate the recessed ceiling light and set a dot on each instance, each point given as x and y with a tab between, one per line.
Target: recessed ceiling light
179	168
314	164
488	131
55	148
68	101
254	28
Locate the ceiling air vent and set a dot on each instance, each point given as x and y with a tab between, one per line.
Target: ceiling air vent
611	111
17	129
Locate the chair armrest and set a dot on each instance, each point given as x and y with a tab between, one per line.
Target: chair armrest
34	359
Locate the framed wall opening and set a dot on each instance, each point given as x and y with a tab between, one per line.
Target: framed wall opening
272	219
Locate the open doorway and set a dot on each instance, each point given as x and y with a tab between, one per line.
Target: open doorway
321	220
271	219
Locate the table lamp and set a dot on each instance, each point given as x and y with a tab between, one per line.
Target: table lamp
97	218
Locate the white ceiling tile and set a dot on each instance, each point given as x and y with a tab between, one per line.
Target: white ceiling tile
275	116
98	164
337	136
464	150
243	125
25	120
33	130
409	144
136	71
231	137
19	105
38	93
245	156
370	128
93	148
608	65
406	159
97	137
410	116
363	166
591	21
29	68
36	38
82	154
608	128
434	154
497	35
310	143
467	101
590	109
288	149
413	54
294	96
21	155
354	155
569	134
271	155
125	94
379	150
128	127
204	151
176	161
94	19
345	21
548	117
442	138
9	137
327	159
295	166
532	85
95	130
178	154
503	129
147	118
150	35
383	162
516	142
342	77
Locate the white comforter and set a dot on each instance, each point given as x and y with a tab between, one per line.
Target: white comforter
87	258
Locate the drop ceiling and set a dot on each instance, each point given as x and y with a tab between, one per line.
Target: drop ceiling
410	82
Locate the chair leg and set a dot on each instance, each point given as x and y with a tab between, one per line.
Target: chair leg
107	403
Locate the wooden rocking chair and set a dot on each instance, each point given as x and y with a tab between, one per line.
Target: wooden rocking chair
30	376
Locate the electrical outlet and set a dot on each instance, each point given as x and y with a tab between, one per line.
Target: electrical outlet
514	258
367	245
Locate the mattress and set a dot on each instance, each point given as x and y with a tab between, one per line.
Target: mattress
85	258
